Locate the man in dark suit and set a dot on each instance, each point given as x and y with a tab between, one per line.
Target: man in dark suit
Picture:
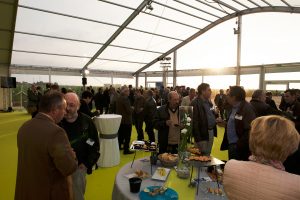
149	113
241	114
138	113
45	157
86	98
292	109
261	108
270	101
123	108
220	102
99	100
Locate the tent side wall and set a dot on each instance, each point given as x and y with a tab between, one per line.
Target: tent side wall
8	11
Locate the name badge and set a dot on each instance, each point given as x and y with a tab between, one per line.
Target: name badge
238	117
90	142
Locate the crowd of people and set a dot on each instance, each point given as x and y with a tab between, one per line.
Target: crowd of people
68	149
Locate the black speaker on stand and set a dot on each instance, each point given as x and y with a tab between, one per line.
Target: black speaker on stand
84	81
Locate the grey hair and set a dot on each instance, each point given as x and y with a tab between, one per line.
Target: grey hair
51	100
149	93
257	94
123	88
170	94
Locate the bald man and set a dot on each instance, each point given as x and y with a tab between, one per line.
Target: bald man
83	137
166	121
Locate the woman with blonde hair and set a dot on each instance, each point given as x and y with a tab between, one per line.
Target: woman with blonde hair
272	139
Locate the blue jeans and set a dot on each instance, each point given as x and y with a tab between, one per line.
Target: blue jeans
206	146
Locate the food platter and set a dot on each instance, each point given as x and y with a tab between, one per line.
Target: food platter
194	150
143	146
200	158
138	173
158	193
161	174
168	160
212	162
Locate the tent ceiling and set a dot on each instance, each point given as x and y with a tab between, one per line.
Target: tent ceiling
76	35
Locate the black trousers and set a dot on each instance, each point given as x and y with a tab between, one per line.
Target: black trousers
172	148
222	113
292	163
124	135
232	151
149	130
138	123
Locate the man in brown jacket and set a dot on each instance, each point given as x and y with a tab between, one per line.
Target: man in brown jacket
45	157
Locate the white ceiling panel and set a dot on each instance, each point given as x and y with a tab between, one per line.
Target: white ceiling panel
145	41
45	23
50	45
91	9
129	55
114	66
19	58
161	26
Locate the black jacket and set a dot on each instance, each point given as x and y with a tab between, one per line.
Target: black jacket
159	122
246	111
294	113
271	102
99	100
200	124
220	100
263	109
292	163
149	110
83	137
84	108
123	108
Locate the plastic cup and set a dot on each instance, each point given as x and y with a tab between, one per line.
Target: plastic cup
153	160
135	184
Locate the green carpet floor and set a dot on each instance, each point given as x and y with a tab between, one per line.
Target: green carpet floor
99	184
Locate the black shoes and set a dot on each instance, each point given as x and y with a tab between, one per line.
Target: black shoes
127	152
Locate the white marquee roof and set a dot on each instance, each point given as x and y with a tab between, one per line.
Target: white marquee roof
119	35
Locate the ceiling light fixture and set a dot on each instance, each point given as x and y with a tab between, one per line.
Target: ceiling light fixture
149	6
86	71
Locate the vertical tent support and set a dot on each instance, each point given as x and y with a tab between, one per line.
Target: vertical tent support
262	84
174	69
137	80
164	78
238	31
145	79
49	74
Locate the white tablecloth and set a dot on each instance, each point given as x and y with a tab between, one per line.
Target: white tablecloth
121	190
108	126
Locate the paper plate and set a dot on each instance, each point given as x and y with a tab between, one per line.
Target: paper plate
169	194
